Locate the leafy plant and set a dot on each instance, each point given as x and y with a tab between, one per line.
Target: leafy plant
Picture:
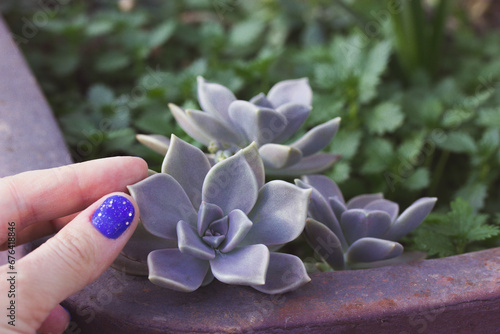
112	73
445	234
363	230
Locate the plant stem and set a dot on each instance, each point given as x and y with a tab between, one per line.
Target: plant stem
438	172
417	31
357	16
437	34
400	40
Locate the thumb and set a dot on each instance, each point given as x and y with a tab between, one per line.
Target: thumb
77	255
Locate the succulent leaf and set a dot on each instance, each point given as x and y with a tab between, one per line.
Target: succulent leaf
321	211
359	223
133	257
180	155
213	240
213	127
296	115
278	156
207	214
188	125
326	187
337	206
286	273
318	137
172	269
218	227
257	124
296	90
163	203
215	99
251	153
410	218
373	249
157	143
238	227
227	180
209	277
359	202
315	163
385	205
279	215
325	243
261	101
190	243
247	265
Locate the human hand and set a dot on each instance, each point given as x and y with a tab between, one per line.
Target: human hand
40	203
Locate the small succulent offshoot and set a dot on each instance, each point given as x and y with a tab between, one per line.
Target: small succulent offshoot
363	230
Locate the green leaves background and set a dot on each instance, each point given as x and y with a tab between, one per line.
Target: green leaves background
110	74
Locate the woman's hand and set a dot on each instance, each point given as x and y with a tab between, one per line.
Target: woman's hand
40	203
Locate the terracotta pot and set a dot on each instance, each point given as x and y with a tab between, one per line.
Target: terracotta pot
459	294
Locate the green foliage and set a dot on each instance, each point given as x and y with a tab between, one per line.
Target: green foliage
385	117
110	74
459	142
452	233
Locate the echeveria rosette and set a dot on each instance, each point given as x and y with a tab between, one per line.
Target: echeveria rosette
224	219
226	125
363	230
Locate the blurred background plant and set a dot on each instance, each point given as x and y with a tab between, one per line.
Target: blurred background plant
415	82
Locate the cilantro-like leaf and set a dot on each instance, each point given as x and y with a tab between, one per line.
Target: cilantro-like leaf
459	142
451	233
386	117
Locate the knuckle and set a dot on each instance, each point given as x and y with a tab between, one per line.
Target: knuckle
77	252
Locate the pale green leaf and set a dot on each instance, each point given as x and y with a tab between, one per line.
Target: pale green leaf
112	61
341	171
161	34
346	143
455	117
458	142
386	117
379	154
246	33
418	180
413	147
99	27
100	96
375	65
489	117
474	193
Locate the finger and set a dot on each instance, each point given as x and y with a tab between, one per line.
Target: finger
56	322
40	230
44	195
74	257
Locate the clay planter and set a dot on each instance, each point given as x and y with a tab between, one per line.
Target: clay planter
459	294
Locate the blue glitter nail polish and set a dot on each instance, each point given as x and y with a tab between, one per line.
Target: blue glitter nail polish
114	216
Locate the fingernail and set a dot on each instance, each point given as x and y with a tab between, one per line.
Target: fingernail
114	216
67	311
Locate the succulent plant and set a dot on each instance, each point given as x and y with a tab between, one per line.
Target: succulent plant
226	221
363	230
226	125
